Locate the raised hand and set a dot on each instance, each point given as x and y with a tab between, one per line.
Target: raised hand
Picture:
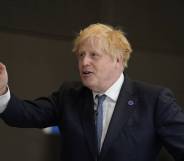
3	79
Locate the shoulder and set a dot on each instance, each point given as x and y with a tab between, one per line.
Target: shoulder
148	88
70	92
156	98
149	91
73	88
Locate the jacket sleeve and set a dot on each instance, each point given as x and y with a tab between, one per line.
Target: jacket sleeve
170	124
39	113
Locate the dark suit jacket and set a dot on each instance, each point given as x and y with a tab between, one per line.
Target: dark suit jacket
145	118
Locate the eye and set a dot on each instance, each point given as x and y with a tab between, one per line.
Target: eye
80	55
94	55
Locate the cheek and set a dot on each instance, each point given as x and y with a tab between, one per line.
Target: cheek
102	74
108	71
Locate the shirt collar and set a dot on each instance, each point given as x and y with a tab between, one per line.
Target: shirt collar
113	91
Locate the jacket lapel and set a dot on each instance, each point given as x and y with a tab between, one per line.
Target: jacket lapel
123	109
88	122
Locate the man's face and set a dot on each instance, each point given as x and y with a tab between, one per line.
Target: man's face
98	70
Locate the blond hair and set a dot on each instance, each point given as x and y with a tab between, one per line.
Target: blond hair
114	40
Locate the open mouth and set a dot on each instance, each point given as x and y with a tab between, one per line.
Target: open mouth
87	73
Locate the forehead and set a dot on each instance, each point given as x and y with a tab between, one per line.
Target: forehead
93	42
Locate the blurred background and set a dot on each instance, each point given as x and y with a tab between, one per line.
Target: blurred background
36	38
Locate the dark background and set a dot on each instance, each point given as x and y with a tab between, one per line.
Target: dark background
36	38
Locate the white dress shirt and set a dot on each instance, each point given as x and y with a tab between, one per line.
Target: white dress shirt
109	103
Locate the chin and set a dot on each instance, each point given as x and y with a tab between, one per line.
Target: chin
89	85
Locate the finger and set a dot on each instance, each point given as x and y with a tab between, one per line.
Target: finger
1	63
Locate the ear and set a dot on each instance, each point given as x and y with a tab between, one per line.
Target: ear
118	59
119	62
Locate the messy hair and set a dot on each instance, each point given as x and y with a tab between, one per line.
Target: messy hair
114	40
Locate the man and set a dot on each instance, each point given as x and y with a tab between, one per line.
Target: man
132	121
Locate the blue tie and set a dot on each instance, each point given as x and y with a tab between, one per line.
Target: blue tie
99	119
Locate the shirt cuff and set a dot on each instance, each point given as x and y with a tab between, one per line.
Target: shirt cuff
4	99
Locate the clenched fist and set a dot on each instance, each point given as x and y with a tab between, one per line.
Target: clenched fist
3	79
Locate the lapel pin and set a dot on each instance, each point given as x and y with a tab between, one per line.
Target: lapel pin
130	102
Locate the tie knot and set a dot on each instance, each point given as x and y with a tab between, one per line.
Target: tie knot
101	98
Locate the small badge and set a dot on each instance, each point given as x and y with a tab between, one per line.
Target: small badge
130	102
